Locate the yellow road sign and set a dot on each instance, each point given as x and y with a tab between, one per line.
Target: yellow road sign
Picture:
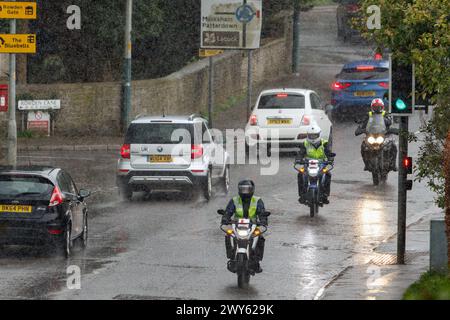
17	43
203	53
17	10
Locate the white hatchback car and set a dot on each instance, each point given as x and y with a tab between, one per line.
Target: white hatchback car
282	116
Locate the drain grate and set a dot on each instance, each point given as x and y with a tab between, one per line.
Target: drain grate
386	259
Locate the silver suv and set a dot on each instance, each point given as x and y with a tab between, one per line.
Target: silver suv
171	153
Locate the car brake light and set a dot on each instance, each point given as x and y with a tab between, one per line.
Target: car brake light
306	120
253	120
125	151
282	95
196	151
340	85
55	231
57	198
384	84
378	56
365	68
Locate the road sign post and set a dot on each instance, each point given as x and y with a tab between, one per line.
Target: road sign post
12	124
15	43
127	76
402	104
211	91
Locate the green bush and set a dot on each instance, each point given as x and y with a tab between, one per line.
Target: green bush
431	286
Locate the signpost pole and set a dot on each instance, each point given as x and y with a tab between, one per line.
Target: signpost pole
211	91
250	83
126	85
296	40
12	125
402	178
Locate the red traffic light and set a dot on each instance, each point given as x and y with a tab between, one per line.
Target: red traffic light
407	164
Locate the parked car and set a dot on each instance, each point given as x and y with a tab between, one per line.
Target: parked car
357	85
346	11
42	206
171	152
290	112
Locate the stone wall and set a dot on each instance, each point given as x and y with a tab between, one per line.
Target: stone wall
94	108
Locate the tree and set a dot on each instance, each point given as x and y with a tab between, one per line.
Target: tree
419	32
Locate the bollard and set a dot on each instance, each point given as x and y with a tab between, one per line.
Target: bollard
438	246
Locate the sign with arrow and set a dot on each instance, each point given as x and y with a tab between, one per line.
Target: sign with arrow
18	10
231	24
17	43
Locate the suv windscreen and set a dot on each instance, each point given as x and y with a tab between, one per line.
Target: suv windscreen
159	133
354	74
25	187
282	101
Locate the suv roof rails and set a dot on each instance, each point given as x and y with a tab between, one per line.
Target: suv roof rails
141	115
195	115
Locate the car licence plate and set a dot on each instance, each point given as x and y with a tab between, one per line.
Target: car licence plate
160	158
15	208
279	121
364	93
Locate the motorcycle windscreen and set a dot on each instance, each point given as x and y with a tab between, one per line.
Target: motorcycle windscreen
376	125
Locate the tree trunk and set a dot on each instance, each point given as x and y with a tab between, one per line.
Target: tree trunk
447	192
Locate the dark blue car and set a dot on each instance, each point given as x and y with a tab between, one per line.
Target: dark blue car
357	85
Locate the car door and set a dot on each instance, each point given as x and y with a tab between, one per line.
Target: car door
71	195
319	115
78	206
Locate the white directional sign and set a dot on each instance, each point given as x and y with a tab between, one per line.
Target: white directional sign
231	24
39	104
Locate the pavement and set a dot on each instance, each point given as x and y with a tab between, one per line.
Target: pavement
164	246
382	278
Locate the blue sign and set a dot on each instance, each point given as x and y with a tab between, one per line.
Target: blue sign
245	13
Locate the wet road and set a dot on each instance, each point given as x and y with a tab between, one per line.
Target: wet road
168	248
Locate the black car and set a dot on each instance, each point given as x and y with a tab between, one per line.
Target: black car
42	206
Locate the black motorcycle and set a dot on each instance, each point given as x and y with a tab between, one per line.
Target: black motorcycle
378	149
314	173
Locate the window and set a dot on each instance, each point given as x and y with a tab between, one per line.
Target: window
316	103
205	133
282	101
159	133
25	187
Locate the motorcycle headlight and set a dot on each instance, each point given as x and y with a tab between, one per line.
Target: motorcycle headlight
371	140
243	233
380	140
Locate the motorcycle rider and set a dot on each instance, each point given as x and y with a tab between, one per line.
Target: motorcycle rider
314	148
246	206
376	108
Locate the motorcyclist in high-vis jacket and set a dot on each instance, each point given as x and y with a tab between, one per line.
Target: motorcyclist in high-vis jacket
246	206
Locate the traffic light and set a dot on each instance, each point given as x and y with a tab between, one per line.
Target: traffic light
408	167
402	79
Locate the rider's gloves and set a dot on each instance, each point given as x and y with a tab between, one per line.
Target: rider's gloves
226	220
263	222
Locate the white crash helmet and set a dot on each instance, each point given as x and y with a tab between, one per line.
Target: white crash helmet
313	134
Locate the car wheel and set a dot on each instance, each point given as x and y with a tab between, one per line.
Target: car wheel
226	179
207	186
126	193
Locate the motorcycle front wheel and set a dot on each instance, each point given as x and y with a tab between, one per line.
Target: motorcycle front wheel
242	272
